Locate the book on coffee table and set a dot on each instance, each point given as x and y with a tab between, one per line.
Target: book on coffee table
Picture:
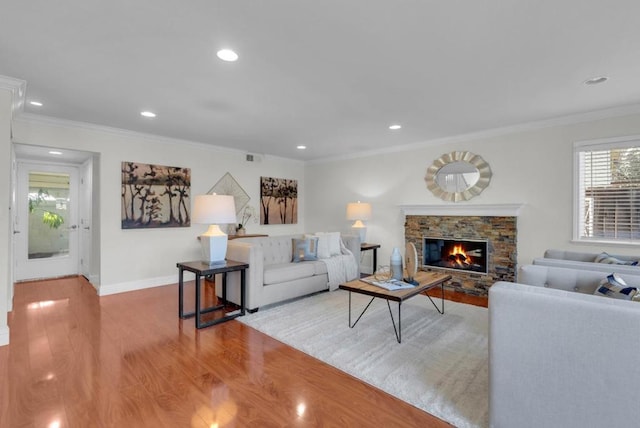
391	285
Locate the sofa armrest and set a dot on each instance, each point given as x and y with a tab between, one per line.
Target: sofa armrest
246	252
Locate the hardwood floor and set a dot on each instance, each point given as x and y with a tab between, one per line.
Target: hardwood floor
127	360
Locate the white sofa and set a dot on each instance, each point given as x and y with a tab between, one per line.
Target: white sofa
561	358
583	260
272	277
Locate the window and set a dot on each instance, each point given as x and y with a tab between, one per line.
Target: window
607	204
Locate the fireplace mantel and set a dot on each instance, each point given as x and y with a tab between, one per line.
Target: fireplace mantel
483	210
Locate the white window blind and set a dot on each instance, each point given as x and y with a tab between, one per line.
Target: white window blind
608	197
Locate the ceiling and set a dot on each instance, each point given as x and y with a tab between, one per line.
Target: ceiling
331	75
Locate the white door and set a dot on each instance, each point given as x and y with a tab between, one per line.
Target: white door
85	203
46	229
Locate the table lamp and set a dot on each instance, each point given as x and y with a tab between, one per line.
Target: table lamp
359	211
213	210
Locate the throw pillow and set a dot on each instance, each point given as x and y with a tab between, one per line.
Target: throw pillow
613	286
304	249
606	258
334	243
329	244
323	245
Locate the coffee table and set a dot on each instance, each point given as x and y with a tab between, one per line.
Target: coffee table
426	281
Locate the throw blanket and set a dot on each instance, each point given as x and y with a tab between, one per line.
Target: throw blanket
341	268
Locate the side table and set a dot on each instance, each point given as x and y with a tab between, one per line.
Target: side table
366	247
201	269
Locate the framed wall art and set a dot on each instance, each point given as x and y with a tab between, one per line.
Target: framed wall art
155	196
278	201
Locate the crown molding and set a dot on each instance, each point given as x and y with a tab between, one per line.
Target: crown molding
30	118
18	88
495	132
482	210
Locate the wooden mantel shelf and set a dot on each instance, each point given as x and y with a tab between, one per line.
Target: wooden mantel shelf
486	210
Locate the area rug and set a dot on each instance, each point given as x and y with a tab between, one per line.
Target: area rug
441	366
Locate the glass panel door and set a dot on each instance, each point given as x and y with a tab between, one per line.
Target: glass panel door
49	201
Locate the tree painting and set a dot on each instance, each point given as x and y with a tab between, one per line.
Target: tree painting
155	196
278	201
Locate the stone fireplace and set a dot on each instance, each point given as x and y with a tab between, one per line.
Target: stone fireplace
488	231
455	254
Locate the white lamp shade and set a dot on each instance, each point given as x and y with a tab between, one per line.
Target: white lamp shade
358	211
214	209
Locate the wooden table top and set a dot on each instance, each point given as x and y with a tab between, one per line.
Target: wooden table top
425	279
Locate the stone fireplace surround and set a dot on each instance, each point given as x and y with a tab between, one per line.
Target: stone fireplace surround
496	223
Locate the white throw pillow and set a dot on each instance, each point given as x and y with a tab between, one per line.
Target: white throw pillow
323	245
328	244
334	243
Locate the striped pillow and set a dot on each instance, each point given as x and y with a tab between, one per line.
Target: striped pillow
613	286
606	258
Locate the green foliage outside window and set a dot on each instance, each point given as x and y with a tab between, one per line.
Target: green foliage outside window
51	219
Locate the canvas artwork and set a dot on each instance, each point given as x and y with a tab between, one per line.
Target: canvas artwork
278	201
155	196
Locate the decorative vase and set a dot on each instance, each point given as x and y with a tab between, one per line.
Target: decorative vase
396	264
241	231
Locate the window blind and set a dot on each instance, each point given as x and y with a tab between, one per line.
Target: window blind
609	192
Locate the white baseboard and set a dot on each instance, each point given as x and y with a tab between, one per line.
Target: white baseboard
4	335
123	287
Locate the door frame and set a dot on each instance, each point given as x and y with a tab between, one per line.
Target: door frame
48	267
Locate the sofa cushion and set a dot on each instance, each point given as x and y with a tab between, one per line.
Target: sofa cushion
274	274
614	286
304	249
606	258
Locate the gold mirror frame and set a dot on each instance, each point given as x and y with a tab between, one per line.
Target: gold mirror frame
473	159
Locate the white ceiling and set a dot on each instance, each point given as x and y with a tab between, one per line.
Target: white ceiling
329	74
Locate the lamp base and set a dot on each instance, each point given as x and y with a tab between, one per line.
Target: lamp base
214	245
361	231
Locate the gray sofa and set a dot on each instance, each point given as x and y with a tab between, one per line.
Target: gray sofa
585	260
559	358
272	277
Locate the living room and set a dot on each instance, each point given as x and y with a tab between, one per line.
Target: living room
531	155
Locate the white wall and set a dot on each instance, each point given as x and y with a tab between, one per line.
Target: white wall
140	258
6	99
534	168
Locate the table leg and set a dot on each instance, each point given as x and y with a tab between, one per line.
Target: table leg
442	297
398	331
375	260
243	287
198	301
224	288
181	293
363	311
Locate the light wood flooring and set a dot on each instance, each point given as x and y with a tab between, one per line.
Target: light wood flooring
127	360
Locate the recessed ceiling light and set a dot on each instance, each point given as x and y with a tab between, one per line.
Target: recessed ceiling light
394	127
596	80
54	152
36	103
301	147
227	55
148	114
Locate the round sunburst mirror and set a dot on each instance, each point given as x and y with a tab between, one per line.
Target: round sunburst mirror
458	176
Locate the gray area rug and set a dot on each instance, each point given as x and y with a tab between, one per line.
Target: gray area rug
441	366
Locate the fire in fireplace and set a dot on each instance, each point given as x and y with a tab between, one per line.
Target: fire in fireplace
458	254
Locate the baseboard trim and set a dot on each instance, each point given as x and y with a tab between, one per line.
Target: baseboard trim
4	335
123	287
